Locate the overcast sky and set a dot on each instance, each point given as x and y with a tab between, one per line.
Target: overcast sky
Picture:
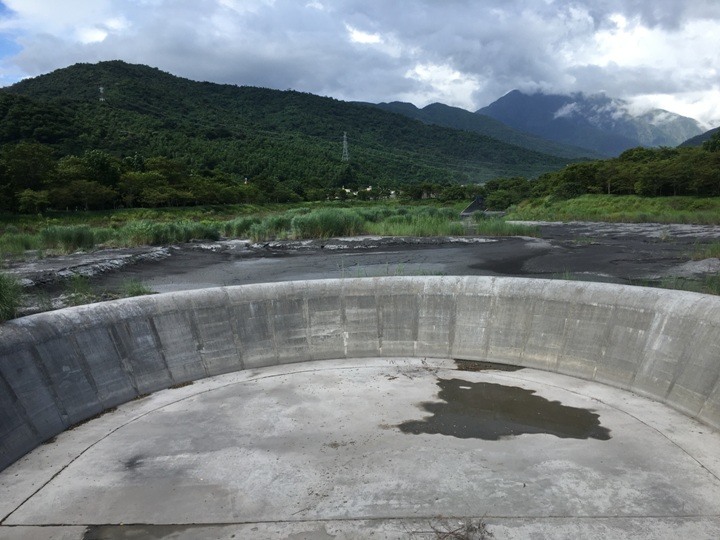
465	53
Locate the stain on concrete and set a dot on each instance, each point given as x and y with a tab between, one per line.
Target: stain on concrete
315	534
134	462
136	532
475	365
491	412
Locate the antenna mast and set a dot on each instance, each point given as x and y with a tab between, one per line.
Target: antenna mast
345	154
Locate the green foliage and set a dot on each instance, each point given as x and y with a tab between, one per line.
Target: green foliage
10	293
419	221
134	287
239	227
498	227
709	284
648	172
707	251
629	208
18	243
68	238
145	232
160	140
712	144
326	223
274	226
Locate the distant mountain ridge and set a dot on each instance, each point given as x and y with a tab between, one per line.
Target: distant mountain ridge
239	132
698	140
457	118
596	122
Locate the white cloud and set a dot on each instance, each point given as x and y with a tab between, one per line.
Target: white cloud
441	83
462	52
358	36
91	35
566	111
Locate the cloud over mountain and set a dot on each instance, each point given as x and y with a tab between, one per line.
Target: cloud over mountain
464	53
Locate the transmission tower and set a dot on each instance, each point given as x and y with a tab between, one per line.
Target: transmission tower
102	93
345	155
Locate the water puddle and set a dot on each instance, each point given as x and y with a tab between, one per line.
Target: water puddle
490	411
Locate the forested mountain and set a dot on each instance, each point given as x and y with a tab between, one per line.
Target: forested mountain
457	118
134	135
698	140
595	122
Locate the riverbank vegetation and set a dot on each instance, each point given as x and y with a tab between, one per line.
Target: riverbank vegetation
93	230
10	294
620	209
664	185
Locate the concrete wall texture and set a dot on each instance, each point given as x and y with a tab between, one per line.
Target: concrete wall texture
60	368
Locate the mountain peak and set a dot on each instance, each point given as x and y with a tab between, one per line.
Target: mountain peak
594	121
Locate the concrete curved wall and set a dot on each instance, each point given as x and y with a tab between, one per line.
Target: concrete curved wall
59	368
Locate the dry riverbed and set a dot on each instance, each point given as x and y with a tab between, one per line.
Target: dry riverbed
618	253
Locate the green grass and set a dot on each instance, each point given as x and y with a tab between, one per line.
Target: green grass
79	291
709	284
326	223
145	232
13	244
627	209
10	293
706	251
71	237
134	287
499	227
137	227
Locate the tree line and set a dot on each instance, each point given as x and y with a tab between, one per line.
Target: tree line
647	172
33	180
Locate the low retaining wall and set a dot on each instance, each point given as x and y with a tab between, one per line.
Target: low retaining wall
62	367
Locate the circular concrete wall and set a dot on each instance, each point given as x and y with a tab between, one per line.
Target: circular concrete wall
62	367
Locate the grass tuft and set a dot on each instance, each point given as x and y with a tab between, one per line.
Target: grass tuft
10	292
326	223
134	287
68	238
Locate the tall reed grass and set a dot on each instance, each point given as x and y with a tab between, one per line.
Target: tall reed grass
145	232
326	223
10	293
70	238
498	227
301	222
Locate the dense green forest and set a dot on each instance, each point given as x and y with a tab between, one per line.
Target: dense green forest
114	135
647	172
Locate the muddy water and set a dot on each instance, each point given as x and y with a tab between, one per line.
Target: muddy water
490	411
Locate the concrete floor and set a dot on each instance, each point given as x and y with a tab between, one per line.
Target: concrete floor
327	450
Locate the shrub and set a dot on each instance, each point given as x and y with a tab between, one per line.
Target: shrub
134	287
239	227
148	233
68	238
10	292
327	223
18	243
274	226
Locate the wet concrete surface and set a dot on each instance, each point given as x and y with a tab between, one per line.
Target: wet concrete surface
489	411
313	451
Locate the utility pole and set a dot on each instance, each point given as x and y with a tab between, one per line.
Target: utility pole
345	154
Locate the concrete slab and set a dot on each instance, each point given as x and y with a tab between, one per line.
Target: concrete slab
383	447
